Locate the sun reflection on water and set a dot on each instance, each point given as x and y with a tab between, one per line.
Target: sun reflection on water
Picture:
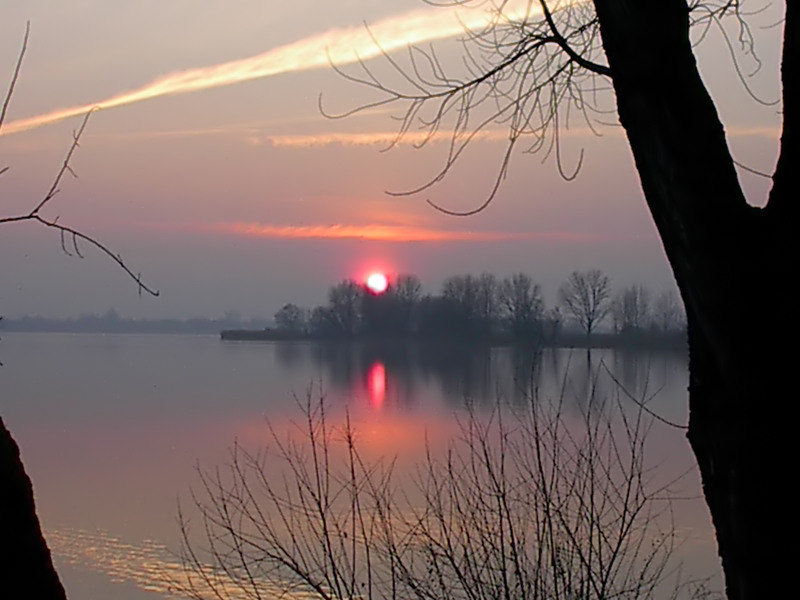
151	567
376	384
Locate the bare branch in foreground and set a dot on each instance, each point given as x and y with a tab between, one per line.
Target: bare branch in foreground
15	76
530	74
533	503
70	237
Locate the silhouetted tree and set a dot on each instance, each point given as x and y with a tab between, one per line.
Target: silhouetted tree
727	256
586	297
667	313
473	303
438	317
408	291
26	570
381	314
460	293
291	319
488	303
344	304
392	313
321	323
529	505
522	300
630	309
553	321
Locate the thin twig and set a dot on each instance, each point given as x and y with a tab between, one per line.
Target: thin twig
15	77
66	231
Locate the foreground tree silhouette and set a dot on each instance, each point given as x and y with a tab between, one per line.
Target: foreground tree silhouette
548	501
26	568
726	255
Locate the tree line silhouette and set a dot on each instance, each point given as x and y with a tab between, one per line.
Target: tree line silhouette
486	308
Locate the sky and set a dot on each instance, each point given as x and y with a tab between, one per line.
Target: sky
238	194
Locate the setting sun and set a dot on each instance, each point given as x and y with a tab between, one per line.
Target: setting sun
377	283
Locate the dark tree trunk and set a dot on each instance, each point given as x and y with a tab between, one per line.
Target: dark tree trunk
731	262
26	569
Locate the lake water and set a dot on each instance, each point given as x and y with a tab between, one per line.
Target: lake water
112	427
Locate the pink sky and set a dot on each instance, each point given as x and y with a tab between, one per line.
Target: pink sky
243	197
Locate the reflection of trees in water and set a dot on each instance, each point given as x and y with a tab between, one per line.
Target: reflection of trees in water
581	383
463	372
480	375
636	371
350	366
589	376
643	373
517	371
291	353
342	362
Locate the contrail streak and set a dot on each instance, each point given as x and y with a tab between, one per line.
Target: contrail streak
340	46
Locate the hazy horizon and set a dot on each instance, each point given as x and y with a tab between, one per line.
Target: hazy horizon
243	197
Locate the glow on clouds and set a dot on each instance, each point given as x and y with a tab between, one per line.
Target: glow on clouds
341	46
392	233
374	232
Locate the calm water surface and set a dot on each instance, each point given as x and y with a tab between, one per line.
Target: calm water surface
112	427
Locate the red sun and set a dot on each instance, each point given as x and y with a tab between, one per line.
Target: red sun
377	283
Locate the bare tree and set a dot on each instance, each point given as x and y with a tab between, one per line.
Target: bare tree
630	309
667	313
472	302
529	505
553	321
71	238
407	289
344	303
292	319
488	298
535	73
586	297
321	322
26	569
460	294
523	303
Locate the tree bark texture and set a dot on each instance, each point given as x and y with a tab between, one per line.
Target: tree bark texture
26	568
729	260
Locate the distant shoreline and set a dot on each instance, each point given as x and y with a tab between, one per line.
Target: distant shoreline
256	332
568	339
112	323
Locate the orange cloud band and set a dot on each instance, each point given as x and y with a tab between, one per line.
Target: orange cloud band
373	232
383	138
397	233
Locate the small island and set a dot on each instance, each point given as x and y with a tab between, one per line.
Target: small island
482	310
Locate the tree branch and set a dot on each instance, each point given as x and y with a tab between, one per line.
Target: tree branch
15	77
564	45
517	74
34	214
71	233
